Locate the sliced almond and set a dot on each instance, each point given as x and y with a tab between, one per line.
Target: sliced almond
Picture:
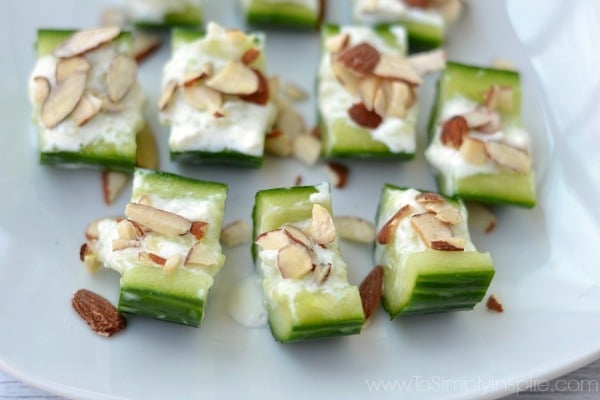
63	99
481	218
478	117
236	233
345	77
361	59
294	92
41	89
493	303
294	261
261	95
89	106
68	66
448	244
494	125
146	155
127	230
200	255
167	95
198	229
400	97
508	156
91	230
429	197
499	98
86	40
113	184
120	77
321	228
445	212
111	107
396	67
297	235
151	258
337	174
371	290
278	143
172	263
290	122
431	230
250	56
91	262
384	236
273	240
158	220
203	98
306	148
274	85
337	42
144	45
122	244
321	273
363	117
428	62
355	229
453	131
367	90
473	151
194	77
235	78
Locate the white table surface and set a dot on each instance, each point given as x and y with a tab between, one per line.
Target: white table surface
582	384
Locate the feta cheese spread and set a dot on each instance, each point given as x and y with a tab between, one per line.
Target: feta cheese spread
380	11
449	162
242	127
156	10
334	100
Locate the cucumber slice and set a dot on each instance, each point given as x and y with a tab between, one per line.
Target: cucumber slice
284	14
233	136
192	16
395	137
490	183
107	141
419	279
176	294
300	308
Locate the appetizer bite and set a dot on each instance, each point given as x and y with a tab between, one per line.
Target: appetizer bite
429	262
166	248
216	98
367	100
305	283
425	20
165	13
300	14
86	99
478	147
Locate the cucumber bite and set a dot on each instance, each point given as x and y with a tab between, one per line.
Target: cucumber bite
161	13
297	14
305	282
479	149
430	264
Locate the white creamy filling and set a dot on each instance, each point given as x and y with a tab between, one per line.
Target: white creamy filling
377	11
118	129
155	10
244	125
449	162
334	100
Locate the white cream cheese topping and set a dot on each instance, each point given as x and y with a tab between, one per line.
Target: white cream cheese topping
378	11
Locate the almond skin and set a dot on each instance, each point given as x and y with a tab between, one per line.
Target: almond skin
363	117
493	304
261	96
453	131
371	289
99	313
360	59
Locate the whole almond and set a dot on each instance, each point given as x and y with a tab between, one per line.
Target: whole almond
363	117
453	131
99	313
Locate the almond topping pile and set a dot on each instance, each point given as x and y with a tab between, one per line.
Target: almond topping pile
295	247
69	97
433	225
383	82
485	120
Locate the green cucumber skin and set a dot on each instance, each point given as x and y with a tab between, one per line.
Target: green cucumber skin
318	332
192	17
260	13
228	158
421	37
69	158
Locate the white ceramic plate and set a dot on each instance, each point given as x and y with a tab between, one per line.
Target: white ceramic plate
547	272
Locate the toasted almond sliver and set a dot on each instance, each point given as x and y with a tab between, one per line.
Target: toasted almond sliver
273	240
68	66
200	255
451	10
306	148
250	56
113	183
158	220
481	218
120	78
445	212
110	107
384	236
294	261
321	228
41	89
429	197
478	117
430	229
203	98
151	258
508	156
278	143
198	229
337	174
63	99
294	92
89	106
192	78
337	43
122	244
297	235
448	244
167	95
321	273
453	131
235	78
345	77
493	303
499	98
399	96
396	67
172	263
367	90
91	262
290	122
86	40
144	45
473	151
371	290
428	62
146	155
236	233
355	229
127	230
